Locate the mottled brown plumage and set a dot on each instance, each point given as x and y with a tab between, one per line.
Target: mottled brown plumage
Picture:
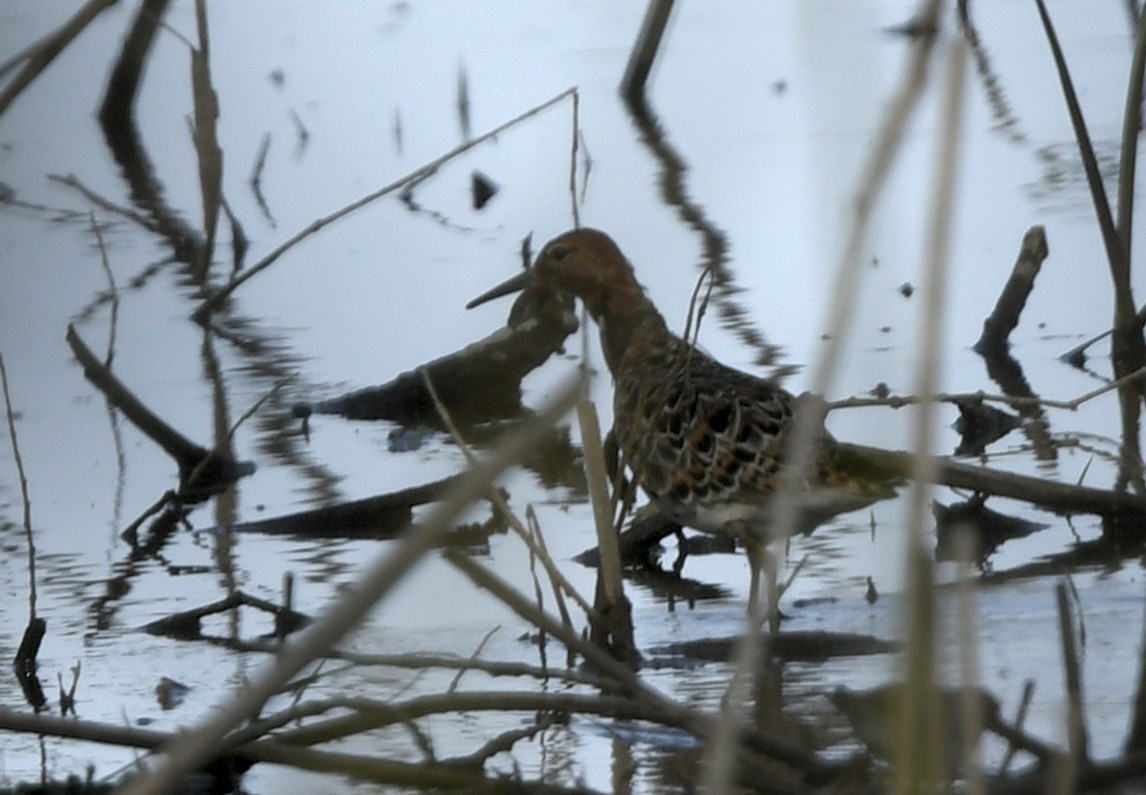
705	441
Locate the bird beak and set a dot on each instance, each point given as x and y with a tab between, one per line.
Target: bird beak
514	285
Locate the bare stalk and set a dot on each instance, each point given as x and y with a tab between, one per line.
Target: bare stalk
917	762
719	756
38	58
1076	716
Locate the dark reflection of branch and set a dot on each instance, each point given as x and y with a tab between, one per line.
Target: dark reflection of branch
673	589
988	528
124	573
222	549
112	414
733	316
813	646
24	663
1006	121
221	421
137	282
240	243
117	117
415	207
381	516
201	471
269	360
205	103
1008	374
981	425
1121	542
256	180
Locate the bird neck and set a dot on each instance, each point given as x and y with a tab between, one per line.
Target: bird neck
628	320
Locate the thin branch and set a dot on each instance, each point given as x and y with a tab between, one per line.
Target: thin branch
420	173
899	401
23	490
476	655
573	160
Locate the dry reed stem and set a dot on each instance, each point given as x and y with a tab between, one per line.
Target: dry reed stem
917	766
524	608
367	714
665	710
614	630
967	649
719	760
388	568
423	661
535	545
204	134
594	457
1072	672
46	50
1124	310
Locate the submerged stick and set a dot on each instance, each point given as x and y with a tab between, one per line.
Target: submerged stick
1005	316
1061	497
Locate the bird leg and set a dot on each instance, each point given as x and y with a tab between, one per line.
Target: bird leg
760	560
681	553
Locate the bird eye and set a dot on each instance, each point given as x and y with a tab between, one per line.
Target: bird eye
558	252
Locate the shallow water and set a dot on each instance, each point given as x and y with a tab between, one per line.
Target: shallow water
773	107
